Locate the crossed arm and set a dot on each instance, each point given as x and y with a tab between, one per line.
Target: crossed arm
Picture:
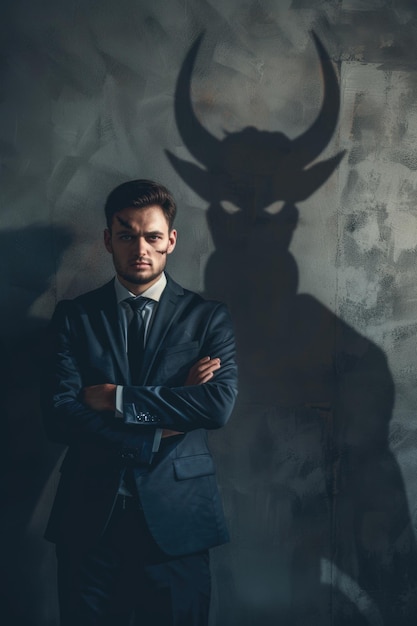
103	397
80	414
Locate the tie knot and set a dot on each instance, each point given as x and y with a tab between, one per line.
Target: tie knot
138	303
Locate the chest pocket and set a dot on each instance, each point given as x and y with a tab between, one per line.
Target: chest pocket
175	362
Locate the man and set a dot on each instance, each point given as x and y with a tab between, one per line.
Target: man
138	370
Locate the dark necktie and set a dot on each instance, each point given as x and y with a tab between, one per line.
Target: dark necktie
135	349
136	338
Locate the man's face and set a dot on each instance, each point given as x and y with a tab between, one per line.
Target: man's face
139	241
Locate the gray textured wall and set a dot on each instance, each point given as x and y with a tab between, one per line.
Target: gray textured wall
318	465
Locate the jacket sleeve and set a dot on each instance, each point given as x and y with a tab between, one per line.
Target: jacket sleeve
66	418
186	408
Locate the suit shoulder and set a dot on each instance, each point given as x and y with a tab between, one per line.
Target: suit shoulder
199	301
95	295
87	300
194	298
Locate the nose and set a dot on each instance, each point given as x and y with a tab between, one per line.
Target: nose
140	246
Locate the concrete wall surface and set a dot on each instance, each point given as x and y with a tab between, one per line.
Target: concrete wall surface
304	223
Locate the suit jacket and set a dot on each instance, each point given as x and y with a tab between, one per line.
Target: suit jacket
177	485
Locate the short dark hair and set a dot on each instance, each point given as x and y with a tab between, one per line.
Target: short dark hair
140	194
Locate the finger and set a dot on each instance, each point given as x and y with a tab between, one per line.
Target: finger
195	368
212	364
209	372
205	378
201	373
202	360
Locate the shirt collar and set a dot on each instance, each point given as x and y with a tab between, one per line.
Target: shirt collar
154	292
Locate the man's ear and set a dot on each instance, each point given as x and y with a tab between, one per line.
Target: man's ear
107	241
172	240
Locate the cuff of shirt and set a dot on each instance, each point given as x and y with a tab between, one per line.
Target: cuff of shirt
119	414
119	401
157	440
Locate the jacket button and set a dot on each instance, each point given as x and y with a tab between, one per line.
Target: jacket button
128	455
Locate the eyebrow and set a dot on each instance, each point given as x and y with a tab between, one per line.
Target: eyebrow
129	227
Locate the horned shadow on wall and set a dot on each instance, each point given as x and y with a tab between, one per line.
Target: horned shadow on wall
30	257
319	519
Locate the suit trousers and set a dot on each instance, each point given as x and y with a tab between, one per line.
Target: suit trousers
124	579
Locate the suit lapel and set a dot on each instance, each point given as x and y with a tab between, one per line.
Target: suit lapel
166	314
113	331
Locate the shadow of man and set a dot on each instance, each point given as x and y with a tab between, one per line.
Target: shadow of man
30	257
319	519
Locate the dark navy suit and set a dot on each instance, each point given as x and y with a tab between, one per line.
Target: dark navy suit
176	485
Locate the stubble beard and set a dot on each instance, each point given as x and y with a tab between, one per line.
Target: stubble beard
137	279
140	280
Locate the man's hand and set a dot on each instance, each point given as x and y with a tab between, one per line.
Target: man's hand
100	397
202	371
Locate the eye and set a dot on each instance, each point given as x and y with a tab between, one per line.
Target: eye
275	207
125	237
153	237
229	207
